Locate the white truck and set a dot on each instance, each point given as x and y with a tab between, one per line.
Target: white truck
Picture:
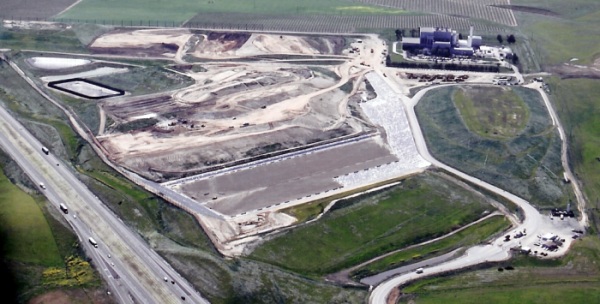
93	242
45	150
42	186
64	208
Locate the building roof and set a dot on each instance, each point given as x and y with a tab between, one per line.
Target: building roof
548	236
411	40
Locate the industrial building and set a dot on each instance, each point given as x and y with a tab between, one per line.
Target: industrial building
441	41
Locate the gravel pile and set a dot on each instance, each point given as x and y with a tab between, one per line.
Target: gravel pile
388	112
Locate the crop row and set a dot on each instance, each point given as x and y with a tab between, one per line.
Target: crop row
327	23
298	23
479	9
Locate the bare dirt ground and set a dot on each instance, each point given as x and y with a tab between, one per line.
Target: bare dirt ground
218	44
287	180
235	111
147	42
568	70
223	45
68	296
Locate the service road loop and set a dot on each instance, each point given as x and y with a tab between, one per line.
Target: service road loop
534	223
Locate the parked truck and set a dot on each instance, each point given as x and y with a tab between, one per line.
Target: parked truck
45	150
93	242
64	208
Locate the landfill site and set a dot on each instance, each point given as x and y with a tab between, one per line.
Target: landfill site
269	122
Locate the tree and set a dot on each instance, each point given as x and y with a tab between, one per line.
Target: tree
515	59
398	34
499	37
511	38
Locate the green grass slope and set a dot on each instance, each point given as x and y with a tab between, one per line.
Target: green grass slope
361	228
26	231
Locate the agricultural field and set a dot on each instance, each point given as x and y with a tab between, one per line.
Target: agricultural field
332	16
16	9
331	23
181	10
491	10
524	157
420	208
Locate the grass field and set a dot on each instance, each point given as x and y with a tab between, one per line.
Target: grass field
528	163
357	229
183	10
578	106
27	233
557	40
573	279
247	281
470	236
578	293
495	113
46	40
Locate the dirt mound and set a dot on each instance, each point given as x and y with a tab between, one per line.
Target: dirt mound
141	42
331	45
221	43
283	44
567	70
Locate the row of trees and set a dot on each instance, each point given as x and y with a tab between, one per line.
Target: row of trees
509	38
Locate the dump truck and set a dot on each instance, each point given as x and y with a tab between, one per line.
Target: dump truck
93	242
64	208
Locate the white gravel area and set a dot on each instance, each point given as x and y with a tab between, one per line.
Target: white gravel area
56	63
388	112
86	88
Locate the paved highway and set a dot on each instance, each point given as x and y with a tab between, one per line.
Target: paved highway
134	272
